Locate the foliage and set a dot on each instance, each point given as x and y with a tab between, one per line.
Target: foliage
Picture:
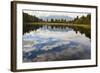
30	18
82	20
78	20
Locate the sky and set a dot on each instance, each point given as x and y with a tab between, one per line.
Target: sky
48	13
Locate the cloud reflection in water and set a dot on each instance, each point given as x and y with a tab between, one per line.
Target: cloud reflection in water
55	45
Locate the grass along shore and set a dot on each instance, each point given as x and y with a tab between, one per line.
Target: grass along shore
87	26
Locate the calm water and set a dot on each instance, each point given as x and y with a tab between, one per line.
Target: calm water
55	44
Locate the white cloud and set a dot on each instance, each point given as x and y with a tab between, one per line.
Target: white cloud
42	36
47	13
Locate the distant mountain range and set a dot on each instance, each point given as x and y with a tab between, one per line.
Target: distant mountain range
68	18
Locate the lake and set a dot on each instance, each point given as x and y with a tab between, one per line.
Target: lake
47	43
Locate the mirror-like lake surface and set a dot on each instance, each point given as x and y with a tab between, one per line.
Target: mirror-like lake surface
55	44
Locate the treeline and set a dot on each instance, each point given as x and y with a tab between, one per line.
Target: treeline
29	18
57	20
81	20
78	20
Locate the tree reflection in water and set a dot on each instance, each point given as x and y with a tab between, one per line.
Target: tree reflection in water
55	43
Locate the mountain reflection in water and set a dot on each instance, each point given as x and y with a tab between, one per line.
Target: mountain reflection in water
55	44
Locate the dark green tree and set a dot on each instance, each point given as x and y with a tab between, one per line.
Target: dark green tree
52	20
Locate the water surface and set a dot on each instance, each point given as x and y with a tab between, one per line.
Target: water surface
55	44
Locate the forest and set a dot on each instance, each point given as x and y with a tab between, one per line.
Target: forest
78	20
82	24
